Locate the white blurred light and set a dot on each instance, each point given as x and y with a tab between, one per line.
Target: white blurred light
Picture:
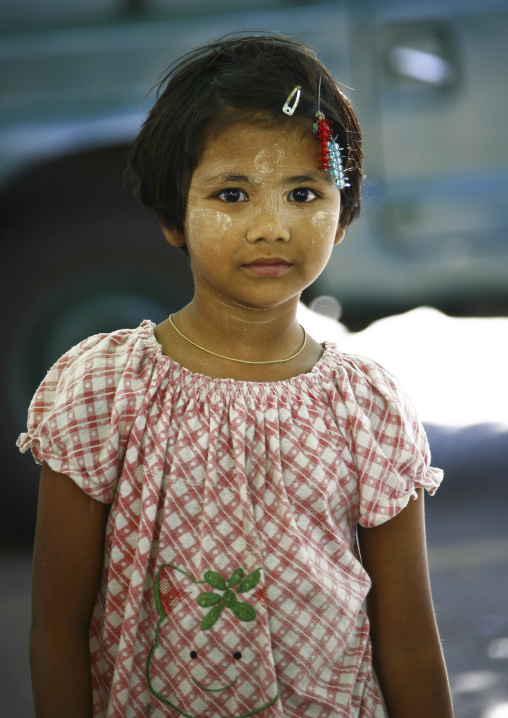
422	66
437	359
474	682
327	306
500	710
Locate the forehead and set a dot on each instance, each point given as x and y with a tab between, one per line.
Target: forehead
260	148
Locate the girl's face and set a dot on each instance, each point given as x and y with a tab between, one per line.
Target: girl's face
261	217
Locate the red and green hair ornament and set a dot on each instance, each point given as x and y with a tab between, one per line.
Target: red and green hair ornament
331	160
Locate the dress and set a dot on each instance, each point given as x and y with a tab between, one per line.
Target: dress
232	584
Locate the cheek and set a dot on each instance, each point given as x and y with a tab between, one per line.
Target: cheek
324	225
205	229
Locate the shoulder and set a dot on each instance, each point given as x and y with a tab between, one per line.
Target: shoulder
385	436
93	375
375	407
101	359
364	379
114	347
83	411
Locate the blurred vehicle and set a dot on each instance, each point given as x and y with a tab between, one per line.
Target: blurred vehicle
79	256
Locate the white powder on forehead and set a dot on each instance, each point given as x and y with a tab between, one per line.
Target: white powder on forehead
265	159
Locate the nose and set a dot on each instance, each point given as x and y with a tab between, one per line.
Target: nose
268	226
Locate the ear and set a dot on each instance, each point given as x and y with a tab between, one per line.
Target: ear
340	234
173	236
345	213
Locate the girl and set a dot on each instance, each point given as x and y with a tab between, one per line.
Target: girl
197	549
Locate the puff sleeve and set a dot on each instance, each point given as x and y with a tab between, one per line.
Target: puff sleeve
80	417
386	440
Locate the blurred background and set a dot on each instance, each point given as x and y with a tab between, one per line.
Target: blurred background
420	283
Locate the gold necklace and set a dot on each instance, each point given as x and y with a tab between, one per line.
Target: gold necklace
242	361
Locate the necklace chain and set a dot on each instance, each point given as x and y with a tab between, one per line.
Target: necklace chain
242	361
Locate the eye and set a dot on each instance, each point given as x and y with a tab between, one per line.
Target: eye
302	194
193	654
237	655
233	195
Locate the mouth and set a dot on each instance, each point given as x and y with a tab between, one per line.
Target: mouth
214	690
267	266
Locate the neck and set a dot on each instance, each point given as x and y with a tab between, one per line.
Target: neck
240	331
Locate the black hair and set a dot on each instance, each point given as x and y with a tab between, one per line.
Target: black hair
234	79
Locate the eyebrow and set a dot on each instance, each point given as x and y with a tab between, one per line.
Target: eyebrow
224	177
313	177
244	179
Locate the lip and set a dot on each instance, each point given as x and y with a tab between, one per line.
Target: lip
267	266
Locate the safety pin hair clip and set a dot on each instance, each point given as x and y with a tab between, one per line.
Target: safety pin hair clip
289	109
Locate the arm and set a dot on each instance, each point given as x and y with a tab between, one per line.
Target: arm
407	653
67	565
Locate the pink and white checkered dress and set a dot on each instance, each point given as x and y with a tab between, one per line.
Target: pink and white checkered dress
232	584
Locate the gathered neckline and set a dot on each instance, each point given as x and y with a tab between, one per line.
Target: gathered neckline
147	328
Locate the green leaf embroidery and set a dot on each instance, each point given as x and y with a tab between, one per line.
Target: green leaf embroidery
208	599
212	617
214	579
243	611
229	598
236	577
249	582
237	583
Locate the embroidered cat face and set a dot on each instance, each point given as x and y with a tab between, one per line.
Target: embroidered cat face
212	638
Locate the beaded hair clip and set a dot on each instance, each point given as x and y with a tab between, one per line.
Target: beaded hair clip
331	160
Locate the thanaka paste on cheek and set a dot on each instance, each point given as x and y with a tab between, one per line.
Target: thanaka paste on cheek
325	219
203	225
325	224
